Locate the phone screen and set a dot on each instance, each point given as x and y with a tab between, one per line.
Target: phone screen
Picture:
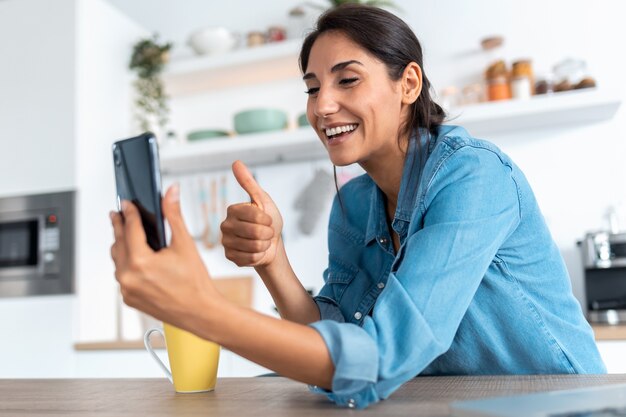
138	179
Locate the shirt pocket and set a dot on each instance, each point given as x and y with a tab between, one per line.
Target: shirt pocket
338	277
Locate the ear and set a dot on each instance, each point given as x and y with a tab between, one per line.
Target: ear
411	83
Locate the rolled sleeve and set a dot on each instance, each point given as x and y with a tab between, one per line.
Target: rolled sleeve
470	208
354	354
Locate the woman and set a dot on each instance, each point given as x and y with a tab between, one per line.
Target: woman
440	260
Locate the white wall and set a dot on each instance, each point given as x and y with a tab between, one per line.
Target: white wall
36	111
103	115
37	141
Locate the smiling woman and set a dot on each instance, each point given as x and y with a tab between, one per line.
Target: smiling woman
440	261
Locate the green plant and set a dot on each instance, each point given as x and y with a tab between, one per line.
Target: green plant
148	61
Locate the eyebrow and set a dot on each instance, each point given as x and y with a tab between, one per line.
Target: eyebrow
335	68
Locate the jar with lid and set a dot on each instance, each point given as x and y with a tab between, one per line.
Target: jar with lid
544	84
497	82
522	79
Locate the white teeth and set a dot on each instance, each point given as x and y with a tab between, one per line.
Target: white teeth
340	129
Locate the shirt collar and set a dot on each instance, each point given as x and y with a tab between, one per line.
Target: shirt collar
376	220
411	175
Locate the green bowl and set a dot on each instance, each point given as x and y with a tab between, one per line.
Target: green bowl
260	120
205	134
302	120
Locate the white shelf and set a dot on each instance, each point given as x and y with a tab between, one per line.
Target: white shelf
481	120
253	149
274	61
560	109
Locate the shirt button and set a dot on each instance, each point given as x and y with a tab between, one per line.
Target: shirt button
351	403
381	285
358	315
382	240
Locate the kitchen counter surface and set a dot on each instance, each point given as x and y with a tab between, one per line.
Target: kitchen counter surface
609	332
275	396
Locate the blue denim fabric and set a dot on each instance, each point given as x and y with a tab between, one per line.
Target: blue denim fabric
478	286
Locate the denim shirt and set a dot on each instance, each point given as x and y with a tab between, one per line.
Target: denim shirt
477	286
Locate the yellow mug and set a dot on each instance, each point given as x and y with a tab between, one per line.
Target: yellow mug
193	360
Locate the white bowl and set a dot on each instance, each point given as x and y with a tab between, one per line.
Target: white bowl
212	40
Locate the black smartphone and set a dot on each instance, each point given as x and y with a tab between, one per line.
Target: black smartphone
138	179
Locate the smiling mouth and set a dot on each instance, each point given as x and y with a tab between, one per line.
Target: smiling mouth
339	131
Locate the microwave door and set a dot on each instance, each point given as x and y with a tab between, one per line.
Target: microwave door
20	247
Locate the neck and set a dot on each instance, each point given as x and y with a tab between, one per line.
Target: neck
386	172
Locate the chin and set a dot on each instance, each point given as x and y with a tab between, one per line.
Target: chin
341	160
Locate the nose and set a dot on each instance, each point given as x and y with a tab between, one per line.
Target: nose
326	103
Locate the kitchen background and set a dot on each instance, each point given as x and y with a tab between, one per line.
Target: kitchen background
66	94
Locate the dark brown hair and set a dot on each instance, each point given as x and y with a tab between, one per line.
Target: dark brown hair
391	41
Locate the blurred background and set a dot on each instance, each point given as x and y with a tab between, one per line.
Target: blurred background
218	82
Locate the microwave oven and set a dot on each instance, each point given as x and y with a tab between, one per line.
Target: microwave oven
37	244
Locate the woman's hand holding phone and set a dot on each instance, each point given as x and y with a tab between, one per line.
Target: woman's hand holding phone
173	284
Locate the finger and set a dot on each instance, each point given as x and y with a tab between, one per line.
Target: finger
247	230
249	213
243	258
134	235
118	249
248	183
174	216
246	245
118	225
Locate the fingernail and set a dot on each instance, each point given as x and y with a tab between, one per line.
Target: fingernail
175	193
111	214
125	205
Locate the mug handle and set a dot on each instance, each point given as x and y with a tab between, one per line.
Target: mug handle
146	342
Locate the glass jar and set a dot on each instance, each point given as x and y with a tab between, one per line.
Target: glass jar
498	89
497	80
544	85
522	79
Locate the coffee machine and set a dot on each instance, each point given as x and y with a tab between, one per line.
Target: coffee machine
604	259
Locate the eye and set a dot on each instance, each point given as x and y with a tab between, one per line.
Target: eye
348	81
312	91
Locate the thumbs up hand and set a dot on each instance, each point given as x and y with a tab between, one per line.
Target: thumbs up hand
251	231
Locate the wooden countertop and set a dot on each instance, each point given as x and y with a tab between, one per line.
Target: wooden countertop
270	396
609	332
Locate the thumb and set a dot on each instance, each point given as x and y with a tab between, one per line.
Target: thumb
173	214
248	183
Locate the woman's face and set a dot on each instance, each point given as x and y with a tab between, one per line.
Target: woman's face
353	105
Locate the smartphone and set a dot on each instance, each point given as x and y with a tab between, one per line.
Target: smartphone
138	179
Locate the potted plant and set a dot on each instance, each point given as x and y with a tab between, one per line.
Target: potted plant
148	60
